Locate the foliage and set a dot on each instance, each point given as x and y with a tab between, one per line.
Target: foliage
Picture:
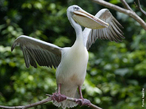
116	71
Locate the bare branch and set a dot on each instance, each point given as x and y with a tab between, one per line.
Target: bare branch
122	10
91	105
94	106
27	106
42	102
126	5
139	7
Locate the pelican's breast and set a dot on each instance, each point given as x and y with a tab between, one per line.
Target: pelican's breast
73	66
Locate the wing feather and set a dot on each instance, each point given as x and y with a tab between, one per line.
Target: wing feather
112	33
37	51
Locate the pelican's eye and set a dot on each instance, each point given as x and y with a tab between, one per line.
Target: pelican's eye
76	8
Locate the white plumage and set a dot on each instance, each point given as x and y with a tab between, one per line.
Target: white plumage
71	62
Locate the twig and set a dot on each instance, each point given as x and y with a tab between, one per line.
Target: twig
126	5
27	106
42	102
139	7
94	106
122	10
91	105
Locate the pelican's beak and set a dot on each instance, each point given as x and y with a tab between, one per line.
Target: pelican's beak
87	20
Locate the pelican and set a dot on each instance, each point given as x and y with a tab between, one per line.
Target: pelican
71	62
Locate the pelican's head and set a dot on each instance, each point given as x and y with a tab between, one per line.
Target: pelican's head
84	18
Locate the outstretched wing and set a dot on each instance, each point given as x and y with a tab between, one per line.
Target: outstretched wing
34	50
112	33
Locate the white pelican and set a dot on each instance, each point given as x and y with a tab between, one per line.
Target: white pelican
71	62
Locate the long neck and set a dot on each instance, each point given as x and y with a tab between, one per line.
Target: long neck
78	30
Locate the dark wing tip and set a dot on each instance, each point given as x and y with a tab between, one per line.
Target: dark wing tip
35	66
27	65
13	46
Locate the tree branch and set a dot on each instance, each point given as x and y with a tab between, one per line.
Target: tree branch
42	102
27	106
126	5
91	105
139	7
122	10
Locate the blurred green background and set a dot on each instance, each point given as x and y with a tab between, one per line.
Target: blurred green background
116	71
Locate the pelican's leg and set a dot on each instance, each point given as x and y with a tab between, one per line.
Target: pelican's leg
80	92
58	96
82	101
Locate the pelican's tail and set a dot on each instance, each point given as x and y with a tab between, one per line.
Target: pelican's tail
66	103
